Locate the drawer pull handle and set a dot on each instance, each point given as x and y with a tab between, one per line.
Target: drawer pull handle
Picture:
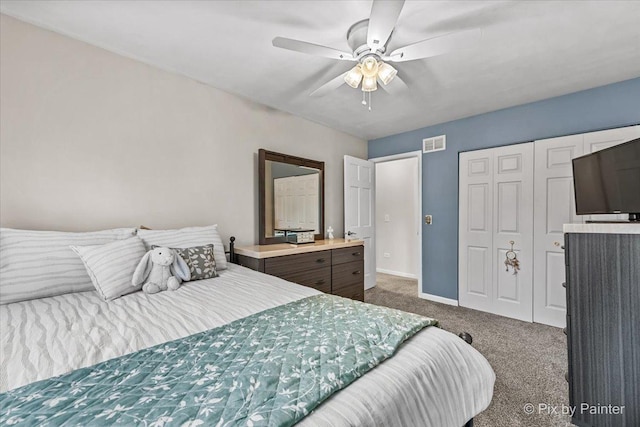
320	282
320	260
356	272
564	284
356	254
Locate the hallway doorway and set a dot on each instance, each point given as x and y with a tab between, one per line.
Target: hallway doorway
398	205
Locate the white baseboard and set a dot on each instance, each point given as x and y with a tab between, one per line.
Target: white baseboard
439	299
396	273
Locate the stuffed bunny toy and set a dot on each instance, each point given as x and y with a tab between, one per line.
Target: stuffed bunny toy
161	269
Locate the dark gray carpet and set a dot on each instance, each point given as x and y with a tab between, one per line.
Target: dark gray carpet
529	359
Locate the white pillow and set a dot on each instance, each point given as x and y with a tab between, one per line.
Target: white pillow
39	264
186	238
111	266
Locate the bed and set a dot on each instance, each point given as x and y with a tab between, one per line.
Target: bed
434	379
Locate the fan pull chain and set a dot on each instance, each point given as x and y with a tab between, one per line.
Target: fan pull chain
369	101
364	101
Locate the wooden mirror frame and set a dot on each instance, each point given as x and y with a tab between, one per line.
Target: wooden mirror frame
263	156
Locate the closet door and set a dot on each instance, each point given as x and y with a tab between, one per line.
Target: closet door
475	249
554	206
513	222
496	208
596	141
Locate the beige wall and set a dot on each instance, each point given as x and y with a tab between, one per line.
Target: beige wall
90	139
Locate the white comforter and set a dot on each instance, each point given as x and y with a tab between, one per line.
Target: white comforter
435	379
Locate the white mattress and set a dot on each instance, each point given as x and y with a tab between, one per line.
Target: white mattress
435	379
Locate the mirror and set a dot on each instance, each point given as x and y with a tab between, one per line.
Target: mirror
291	196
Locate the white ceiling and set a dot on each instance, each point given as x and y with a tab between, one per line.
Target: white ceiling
529	50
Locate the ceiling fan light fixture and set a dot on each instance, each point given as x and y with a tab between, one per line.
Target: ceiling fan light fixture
386	72
369	67
354	76
369	84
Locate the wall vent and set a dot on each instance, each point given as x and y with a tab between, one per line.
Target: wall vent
437	143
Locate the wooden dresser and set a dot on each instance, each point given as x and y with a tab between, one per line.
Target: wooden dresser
331	266
603	323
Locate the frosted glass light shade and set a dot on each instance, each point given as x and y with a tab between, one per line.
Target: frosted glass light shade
370	67
369	84
386	72
353	77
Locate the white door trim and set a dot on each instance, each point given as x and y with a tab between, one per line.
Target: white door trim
409	155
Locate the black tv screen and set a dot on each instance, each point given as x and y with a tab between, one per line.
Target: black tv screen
608	181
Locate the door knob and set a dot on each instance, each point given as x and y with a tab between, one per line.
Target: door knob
351	233
556	243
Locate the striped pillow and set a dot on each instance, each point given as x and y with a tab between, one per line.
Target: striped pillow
111	266
40	264
186	238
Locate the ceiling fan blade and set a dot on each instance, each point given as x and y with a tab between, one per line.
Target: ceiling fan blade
311	48
329	86
395	86
384	15
435	46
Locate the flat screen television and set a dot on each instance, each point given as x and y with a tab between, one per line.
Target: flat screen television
608	181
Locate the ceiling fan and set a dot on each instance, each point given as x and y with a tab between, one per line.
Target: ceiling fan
368	40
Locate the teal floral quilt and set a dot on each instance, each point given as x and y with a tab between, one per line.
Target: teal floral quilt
268	369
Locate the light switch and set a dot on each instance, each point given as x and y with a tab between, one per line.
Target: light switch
428	219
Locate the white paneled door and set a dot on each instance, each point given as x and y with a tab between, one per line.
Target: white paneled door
296	202
513	221
476	230
359	210
522	193
496	209
554	206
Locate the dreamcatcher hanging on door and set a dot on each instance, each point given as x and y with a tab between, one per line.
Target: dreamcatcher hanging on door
512	259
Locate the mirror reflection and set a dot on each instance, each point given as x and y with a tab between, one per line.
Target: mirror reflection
293	198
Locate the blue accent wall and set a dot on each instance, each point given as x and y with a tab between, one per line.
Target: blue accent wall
604	107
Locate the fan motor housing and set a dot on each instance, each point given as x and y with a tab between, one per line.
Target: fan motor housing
357	40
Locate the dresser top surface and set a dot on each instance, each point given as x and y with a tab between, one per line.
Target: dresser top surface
281	249
603	227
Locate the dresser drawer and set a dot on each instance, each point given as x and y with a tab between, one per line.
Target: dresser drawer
252	263
354	291
344	255
288	264
344	275
319	279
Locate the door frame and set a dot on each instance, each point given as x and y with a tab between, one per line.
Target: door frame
409	155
